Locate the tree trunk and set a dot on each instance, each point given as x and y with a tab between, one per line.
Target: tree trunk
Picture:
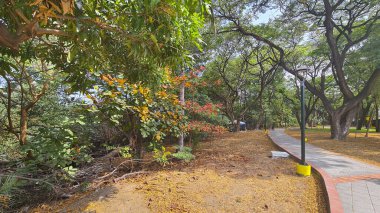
258	123
298	119
341	123
363	115
182	101
132	136
24	130
310	123
359	124
377	119
369	124
238	125
23	126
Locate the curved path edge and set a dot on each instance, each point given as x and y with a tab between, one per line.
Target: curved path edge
334	203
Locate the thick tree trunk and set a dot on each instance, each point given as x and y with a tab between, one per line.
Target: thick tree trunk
341	123
182	101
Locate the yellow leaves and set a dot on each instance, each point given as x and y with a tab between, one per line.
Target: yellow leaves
167	71
141	90
138	88
114	94
150	20
188	84
175	102
162	94
158	136
143	112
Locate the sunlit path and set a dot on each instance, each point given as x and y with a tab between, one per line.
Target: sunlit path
357	183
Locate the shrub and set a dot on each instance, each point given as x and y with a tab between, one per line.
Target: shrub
184	155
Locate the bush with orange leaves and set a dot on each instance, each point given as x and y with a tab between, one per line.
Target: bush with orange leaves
138	111
202	126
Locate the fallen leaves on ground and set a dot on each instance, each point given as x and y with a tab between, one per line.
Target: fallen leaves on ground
231	173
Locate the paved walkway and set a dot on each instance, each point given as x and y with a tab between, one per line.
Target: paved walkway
351	184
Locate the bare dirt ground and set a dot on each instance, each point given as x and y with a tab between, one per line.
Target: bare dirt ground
358	147
231	173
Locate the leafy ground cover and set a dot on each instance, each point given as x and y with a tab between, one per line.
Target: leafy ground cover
231	173
356	145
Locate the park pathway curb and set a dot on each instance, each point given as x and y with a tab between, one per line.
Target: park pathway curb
351	186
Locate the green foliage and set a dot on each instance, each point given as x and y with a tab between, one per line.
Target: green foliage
8	189
7	184
126	152
184	155
118	53
161	155
59	147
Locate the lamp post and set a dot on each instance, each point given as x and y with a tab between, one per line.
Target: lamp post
303	168
303	121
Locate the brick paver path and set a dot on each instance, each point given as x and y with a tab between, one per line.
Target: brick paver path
356	183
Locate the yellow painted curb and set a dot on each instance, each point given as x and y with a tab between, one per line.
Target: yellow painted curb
304	170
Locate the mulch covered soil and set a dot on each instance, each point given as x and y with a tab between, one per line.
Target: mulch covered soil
231	173
356	146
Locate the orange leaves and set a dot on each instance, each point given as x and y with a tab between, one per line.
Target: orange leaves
112	80
202	126
106	78
67	6
49	8
208	109
121	81
179	79
218	82
188	84
162	94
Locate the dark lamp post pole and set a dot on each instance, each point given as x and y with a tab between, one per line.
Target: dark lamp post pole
303	121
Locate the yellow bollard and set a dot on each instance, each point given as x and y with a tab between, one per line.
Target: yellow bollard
303	170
